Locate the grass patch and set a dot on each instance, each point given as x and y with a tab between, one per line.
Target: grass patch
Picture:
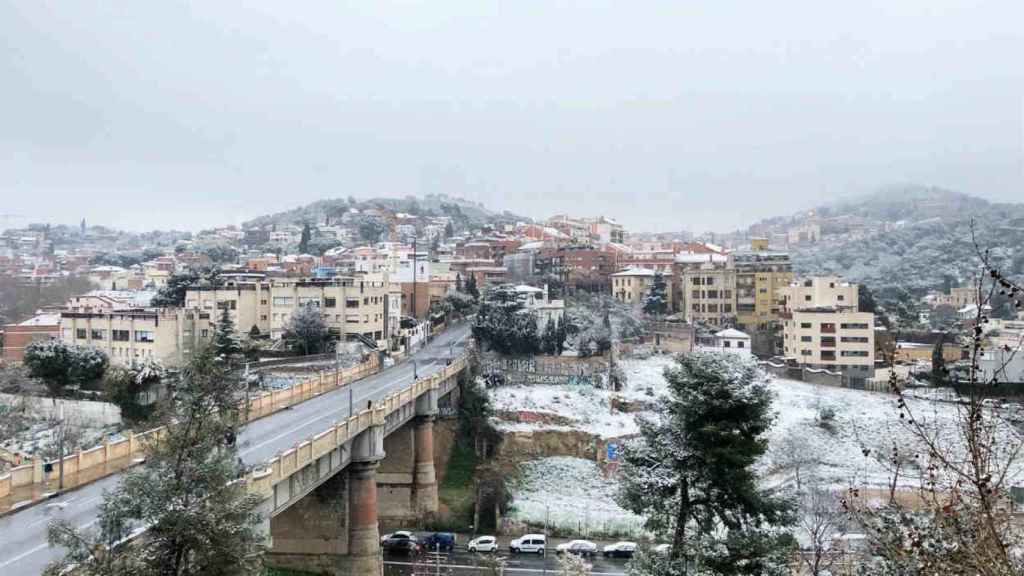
456	492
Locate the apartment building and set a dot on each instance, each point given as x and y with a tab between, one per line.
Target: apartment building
630	286
820	291
169	336
760	273
349	306
18	336
705	288
822	328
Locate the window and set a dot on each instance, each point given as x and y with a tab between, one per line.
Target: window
805	324
696	294
807	298
695	307
263	302
727	308
282	300
840	297
143	336
366	301
828	328
330	302
120	335
857	339
727	294
354	302
263	316
828	355
740	344
855	353
81	333
227	305
828	341
854	326
805	353
304	301
352	319
695	280
204	333
98	334
710	281
713	294
726	344
806	339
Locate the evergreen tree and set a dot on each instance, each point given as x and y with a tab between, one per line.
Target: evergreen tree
656	300
940	374
448	230
225	343
549	340
173	293
560	336
198	519
306	331
458	283
304	239
691	471
60	365
471	288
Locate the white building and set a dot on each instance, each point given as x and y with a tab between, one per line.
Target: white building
536	300
729	341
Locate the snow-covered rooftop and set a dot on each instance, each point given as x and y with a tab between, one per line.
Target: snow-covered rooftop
731	333
635	272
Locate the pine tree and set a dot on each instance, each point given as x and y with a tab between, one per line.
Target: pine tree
471	288
549	340
691	471
225	343
304	239
656	300
198	520
306	331
458	283
560	336
940	374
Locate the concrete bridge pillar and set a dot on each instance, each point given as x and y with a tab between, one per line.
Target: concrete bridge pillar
364	529
363	532
424	477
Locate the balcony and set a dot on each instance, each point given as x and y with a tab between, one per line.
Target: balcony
828	328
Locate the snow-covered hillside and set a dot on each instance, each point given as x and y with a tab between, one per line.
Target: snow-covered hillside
804	436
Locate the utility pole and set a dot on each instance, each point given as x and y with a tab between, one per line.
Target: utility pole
413	277
60	447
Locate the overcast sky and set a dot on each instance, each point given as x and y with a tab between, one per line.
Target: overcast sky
668	115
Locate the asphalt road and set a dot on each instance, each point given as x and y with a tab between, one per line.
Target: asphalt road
468	564
23	546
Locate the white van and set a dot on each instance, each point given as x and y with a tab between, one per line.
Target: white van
528	543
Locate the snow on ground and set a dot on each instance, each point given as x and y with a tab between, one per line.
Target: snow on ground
833	454
573	495
582	407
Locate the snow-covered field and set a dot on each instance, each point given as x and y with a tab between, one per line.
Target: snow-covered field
587	408
573	496
834	455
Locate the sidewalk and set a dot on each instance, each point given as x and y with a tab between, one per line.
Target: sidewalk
24	496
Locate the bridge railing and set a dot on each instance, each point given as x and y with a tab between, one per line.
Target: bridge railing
115	455
290	461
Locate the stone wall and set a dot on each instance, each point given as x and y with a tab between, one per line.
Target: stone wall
526	370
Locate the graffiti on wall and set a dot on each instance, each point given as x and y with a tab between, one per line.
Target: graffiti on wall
524	371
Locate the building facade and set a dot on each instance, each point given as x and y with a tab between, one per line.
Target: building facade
169	336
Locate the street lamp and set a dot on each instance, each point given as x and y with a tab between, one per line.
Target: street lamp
415	374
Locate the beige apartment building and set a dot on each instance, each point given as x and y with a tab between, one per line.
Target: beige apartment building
760	273
630	286
820	291
822	328
705	288
169	336
350	306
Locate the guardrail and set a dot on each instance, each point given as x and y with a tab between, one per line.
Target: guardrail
105	458
279	468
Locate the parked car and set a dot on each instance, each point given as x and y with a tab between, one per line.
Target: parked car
619	550
400	543
483	544
398	534
578	547
439	542
528	543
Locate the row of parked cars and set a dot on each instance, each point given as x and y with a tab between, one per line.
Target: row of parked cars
537	544
405	542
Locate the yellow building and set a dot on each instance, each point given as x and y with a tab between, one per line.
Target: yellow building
706	288
349	306
169	336
630	286
760	273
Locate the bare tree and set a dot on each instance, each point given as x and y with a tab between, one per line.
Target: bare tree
821	521
962	521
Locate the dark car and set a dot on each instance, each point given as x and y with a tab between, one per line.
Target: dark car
439	542
400	543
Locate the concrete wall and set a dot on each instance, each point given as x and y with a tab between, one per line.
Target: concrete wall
99	413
